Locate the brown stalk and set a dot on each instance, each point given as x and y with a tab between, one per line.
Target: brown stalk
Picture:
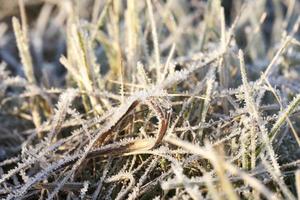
162	114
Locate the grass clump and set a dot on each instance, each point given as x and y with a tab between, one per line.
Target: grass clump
150	100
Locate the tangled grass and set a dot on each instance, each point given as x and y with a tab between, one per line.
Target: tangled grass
150	99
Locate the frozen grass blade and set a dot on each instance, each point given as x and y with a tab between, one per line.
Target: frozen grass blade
155	41
23	46
283	116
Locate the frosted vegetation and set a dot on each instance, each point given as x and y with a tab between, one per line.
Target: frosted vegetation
175	99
